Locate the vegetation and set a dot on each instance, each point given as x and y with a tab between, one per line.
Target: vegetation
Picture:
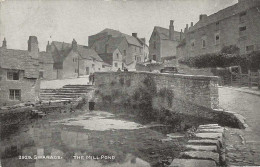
229	56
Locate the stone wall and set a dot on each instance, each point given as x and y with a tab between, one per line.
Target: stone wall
201	91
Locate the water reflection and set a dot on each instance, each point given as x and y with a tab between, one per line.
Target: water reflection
43	139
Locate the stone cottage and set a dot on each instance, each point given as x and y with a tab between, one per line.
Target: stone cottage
163	43
73	60
19	73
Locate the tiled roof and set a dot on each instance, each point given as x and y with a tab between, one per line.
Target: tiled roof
46	58
225	13
19	60
88	53
130	39
63	49
164	33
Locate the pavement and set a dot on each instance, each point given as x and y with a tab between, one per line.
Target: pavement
59	83
242	145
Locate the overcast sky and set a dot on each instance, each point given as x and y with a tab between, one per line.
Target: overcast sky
65	20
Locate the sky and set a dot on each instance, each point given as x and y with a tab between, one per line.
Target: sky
63	20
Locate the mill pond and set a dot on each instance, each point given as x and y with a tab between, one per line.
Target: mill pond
94	138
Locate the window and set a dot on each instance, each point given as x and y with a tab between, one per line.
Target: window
242	17
103	66
242	28
250	48
154	45
13	75
15	94
99	69
93	65
217	39
135	48
140	50
115	64
203	43
117	56
242	31
192	43
41	74
217	25
154	57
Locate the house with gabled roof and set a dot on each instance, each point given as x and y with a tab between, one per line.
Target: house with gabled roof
131	47
73	60
163	43
19	73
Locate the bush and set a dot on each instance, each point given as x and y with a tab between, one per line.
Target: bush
229	56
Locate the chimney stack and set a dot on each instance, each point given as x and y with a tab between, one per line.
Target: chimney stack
181	35
171	30
33	47
74	45
4	43
134	35
48	48
186	29
202	16
191	24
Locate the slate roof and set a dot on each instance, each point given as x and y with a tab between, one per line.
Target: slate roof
164	33
225	13
130	39
19	60
63	49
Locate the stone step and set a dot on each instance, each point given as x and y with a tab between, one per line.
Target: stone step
209	135
192	163
209	126
204	155
207	142
214	130
202	148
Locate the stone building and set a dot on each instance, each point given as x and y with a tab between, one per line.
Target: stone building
19	73
163	43
235	25
46	63
73	60
131	47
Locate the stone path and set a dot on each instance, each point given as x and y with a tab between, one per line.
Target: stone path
206	150
243	145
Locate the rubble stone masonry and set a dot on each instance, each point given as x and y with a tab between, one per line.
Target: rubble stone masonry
191	90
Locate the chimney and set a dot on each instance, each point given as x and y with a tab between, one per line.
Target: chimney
33	47
48	48
191	24
203	16
171	30
134	35
186	29
74	45
181	35
143	39
4	43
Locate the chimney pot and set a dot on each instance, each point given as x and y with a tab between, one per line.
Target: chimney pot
134	35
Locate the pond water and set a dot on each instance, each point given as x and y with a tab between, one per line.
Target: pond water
90	139
100	121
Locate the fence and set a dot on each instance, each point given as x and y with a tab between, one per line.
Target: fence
234	77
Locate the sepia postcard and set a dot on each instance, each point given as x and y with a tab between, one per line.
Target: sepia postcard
129	83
